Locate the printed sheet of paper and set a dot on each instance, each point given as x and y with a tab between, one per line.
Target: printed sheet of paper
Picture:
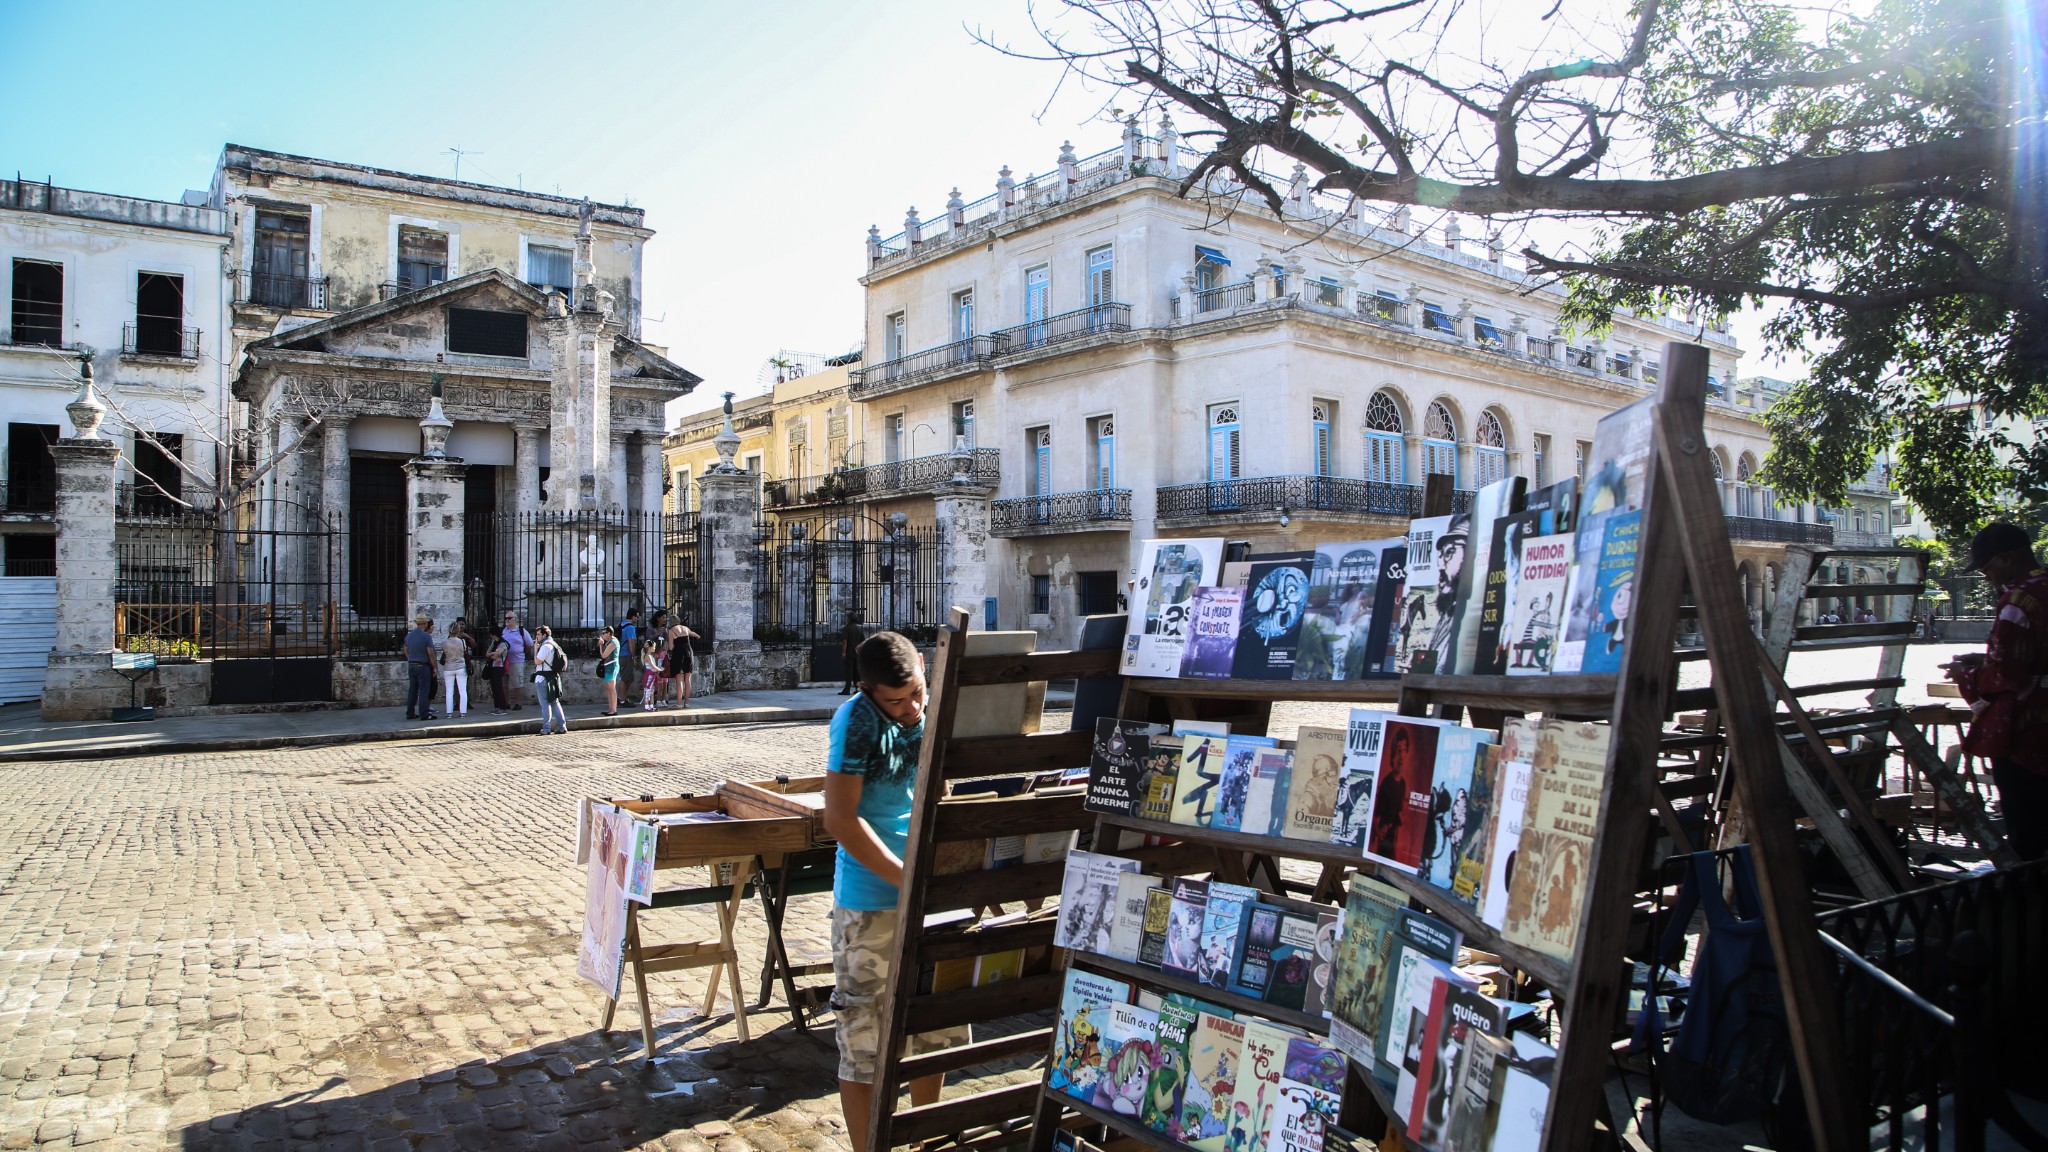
600	957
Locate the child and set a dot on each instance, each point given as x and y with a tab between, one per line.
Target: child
650	678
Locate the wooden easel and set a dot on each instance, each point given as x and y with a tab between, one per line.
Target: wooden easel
721	955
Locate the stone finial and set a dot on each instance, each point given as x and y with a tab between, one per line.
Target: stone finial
585	267
956	210
1401	219
1297	273
1496	248
874	242
1454	235
1169	144
1297	187
1006	188
435	428
88	409
1070	166
727	442
913	229
1134	143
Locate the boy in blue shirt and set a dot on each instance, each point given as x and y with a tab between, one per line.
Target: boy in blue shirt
870	777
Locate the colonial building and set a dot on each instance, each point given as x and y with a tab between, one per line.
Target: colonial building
793	434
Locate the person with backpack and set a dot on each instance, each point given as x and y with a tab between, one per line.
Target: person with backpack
494	672
608	669
550	662
629	649
520	644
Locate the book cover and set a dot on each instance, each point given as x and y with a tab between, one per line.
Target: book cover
1257	1097
1292	959
1459	1017
1127	1056
1563	812
1336	628
1311	1090
1504	561
1407	1013
1194	789
1416	1061
1182	955
1215	1054
1363	741
1212	633
1422	948
1422	595
1201	728
1234	784
1524	1095
1398	827
1002	852
1384	643
1450	800
1161	1108
1115	765
1504	824
1312	783
1317	1001
1254	969
1162	599
996	967
1127	928
1085	1001
1475	1093
1223	921
1158	910
1617	479
1337	1138
1269	628
1265	806
1372	910
1489	505
1156	777
1468	867
1046	847
1559	504
1614	577
1088	901
1537	611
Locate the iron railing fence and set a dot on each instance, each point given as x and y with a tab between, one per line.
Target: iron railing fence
574	572
812	574
149	501
393	289
256	583
931	362
1106	508
1224	297
159	337
1778	531
1293	495
919	473
1091	321
270	290
682	586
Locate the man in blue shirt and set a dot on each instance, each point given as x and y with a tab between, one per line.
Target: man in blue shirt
870	777
419	669
629	649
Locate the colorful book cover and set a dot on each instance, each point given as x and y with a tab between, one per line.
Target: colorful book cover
1465	1015
1468	867
1489	505
1234	786
1158	913
1363	743
1407	1014
1398	828
1372	911
1194	789
1504	825
1162	599
1450	800
1422	948
1293	958
1613	592
1257	1098
1415	1061
1088	901
1223	921
1422	595
1317	1001
1156	778
1311	1090
1215	1055
1617	480
1266	805
1563	812
1537	611
1504	575
1114	767
1336	629
1475	1093
996	967
1127	929
1128	1051
1212	633
1182	955
1254	969
1077	1036
1559	504
1161	1109
1387	610
1312	783
1269	629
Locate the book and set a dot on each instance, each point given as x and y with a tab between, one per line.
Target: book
1088	901
1617	480
1385	638
1311	1091
1212	633
1421	949
1342	590
1416	977
1458	1015
1127	1056
1536	613
1562	814
1116	763
1614	574
1162	599
1160	1110
1363	742
1215	1054
1312	783
1223	922
1201	767
1450	800
1475	1093
1127	926
1504	571
1397	829
1257	1097
1422	597
1265	806
1152	943
1254	968
1291	960
1524	1095
1427	1019
1234	785
1182	954
1002	852
1046	847
1469	848
1085	1000
1504	823
1269	627
1489	505
1201	728
1317	1001
1337	1138
1559	504
996	967
1156	778
1371	914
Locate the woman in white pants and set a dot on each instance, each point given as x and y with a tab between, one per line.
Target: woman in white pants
454	673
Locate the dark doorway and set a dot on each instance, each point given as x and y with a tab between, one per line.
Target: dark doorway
376	537
160	314
480	543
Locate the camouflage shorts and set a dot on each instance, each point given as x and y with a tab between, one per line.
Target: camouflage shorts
862	946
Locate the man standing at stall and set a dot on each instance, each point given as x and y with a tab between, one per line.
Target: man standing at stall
2007	685
870	777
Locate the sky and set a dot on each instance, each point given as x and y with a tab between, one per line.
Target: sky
761	139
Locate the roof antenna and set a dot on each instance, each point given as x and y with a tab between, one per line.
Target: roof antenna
459	153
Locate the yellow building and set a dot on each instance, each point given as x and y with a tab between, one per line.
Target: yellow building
793	437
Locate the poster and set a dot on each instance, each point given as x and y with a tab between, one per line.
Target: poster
1162	599
601	955
640	871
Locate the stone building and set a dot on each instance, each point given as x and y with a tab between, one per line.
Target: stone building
792	435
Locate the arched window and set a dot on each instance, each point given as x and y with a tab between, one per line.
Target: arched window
1385	453
1489	450
1715	456
1439	442
1747	498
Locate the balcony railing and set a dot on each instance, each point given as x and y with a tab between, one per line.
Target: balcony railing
1066	326
159	338
1293	495
1778	531
921	365
919	473
147	501
272	291
1106	508
393	289
1224	297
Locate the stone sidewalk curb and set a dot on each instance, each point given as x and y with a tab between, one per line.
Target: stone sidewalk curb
84	750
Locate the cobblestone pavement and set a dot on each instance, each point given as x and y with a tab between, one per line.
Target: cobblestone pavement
372	947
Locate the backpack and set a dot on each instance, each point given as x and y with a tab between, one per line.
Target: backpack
561	661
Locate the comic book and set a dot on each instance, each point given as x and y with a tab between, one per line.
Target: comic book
1563	813
1182	952
1504	823
1535	615
1201	768
1257	1098
1450	800
1161	1109
1504	560
1423	597
1489	505
1614	575
1128	1052
1212	633
1161	599
1398	829
1617	480
1269	627
1312	783
1363	740
1311	1090
1468	867
1215	1055
1223	922
1077	1035
1371	913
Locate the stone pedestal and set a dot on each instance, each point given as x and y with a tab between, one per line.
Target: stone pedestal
727	503
961	511
433	522
79	682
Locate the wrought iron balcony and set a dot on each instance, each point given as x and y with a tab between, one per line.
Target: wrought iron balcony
1758	528
917	474
147	501
393	289
1065	326
1224	298
150	337
961	355
1268	497
272	291
1106	509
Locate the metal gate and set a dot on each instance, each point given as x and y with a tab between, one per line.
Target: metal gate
813	574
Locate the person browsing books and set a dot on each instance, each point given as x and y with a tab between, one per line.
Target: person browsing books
870	776
2006	685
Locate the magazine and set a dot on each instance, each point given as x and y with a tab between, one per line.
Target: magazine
1212	633
1162	597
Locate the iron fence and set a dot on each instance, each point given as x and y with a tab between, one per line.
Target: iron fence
1778	531
1090	321
1224	297
917	474
813	574
274	291
974	350
572	571
1293	495
148	501
1106	508
158	337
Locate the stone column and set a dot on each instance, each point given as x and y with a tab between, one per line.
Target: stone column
79	682
652	469
728	503
334	494
612	484
961	511
649	529
433	503
525	470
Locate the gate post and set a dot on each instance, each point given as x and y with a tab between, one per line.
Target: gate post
961	510
79	682
433	501
728	502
